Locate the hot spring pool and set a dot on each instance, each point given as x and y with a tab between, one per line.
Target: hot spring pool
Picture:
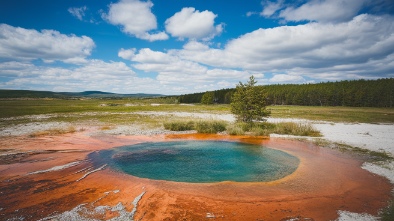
199	161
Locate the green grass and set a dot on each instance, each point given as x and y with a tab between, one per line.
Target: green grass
116	111
234	129
298	129
369	155
179	125
202	126
258	131
15	108
210	127
265	128
122	111
335	114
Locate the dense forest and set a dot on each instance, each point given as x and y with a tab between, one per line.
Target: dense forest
355	93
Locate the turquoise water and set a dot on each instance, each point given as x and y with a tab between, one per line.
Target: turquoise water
200	161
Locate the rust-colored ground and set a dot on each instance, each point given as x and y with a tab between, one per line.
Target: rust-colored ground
325	182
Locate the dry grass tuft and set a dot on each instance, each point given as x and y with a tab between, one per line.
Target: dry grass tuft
202	126
298	129
106	127
265	129
53	132
211	126
179	125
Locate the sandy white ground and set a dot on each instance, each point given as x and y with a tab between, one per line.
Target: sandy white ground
376	137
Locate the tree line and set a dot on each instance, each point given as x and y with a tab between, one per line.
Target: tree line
353	93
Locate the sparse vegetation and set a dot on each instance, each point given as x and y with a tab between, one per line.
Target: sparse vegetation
258	131
335	114
15	108
179	125
106	127
202	126
235	129
371	156
213	126
53	132
79	110
298	129
265	128
241	128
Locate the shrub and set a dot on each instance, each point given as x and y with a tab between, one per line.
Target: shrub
179	125
210	127
298	129
258	131
266	125
235	129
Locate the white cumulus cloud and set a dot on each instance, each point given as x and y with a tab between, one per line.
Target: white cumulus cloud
29	44
270	7
127	54
135	18
313	49
324	10
182	74
193	24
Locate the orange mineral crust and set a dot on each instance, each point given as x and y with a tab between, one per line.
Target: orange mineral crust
51	178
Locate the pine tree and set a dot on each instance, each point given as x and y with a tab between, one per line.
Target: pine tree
248	102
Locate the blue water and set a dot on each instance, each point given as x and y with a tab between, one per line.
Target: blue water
200	161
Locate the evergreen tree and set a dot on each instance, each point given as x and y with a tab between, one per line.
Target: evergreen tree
248	102
208	97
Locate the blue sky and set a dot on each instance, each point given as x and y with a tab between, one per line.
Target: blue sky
185	46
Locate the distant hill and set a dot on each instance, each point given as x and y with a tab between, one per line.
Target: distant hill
68	95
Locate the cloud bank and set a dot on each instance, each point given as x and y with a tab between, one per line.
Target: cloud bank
308	49
49	45
324	11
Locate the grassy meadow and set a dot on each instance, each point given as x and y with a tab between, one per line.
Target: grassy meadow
103	108
335	114
108	113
